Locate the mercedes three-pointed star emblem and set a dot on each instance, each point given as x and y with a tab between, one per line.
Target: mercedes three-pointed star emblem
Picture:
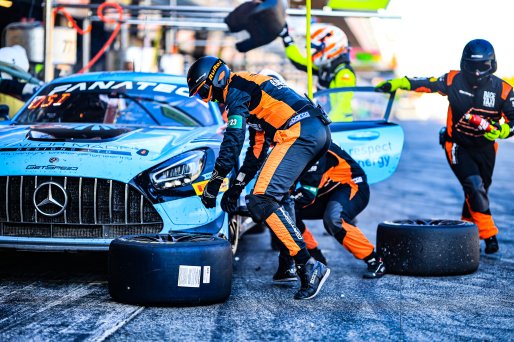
50	199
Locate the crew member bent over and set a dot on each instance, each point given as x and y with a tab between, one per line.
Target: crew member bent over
274	113
335	190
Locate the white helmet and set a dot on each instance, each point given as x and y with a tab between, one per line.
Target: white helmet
327	42
272	73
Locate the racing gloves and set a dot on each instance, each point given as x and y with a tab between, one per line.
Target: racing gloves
501	133
391	85
286	38
211	189
229	201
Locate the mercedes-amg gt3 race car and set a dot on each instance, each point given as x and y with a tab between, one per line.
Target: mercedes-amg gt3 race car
92	157
96	156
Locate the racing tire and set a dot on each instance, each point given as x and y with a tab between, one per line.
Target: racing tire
429	247
170	269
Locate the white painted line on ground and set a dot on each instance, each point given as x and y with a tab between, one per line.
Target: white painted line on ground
115	327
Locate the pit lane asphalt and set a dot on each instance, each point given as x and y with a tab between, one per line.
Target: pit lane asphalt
64	297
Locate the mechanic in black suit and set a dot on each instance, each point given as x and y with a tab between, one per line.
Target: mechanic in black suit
471	152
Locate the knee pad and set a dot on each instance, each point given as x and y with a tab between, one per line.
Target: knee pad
260	207
477	195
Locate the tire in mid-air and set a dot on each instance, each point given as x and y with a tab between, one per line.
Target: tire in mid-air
170	269
429	247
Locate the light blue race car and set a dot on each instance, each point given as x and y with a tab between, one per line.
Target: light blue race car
92	157
96	156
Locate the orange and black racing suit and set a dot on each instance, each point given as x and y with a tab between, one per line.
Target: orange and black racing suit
335	189
300	134
470	155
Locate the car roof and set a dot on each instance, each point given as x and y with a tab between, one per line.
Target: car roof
121	76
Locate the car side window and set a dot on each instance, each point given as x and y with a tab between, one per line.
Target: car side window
362	103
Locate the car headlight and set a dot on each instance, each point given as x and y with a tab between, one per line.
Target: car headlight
178	171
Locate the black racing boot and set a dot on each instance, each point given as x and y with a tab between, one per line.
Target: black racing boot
316	254
376	268
286	271
491	245
312	277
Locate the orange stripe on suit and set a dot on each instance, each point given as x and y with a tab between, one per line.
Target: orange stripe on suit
341	173
259	143
274	222
310	241
451	76
448	148
484	222
356	242
284	139
506	88
276	113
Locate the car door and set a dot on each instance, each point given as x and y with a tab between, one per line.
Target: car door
370	138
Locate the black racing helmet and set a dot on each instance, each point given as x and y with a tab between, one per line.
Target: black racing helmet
208	76
478	61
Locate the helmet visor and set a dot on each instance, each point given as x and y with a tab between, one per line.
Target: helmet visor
477	67
204	91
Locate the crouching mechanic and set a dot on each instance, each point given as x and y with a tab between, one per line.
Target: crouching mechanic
471	152
300	134
335	189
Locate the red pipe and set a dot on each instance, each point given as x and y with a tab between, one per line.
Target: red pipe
100	14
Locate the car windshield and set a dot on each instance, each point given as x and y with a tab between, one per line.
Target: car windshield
109	102
355	104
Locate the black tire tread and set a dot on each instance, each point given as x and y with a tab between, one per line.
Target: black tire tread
429	247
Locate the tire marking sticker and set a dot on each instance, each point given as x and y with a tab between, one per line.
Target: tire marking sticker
189	276
206	274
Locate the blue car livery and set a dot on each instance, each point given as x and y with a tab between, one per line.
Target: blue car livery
92	157
96	156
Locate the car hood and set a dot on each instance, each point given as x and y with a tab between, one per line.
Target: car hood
95	150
